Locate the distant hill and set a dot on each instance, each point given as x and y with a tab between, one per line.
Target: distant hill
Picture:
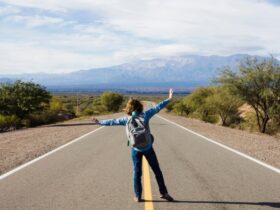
5	80
176	71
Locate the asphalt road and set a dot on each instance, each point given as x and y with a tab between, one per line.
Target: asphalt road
96	173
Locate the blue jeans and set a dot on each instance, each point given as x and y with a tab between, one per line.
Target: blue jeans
151	157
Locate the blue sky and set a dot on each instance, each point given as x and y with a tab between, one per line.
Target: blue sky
57	36
276	2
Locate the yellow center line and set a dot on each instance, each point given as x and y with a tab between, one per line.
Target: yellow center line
147	186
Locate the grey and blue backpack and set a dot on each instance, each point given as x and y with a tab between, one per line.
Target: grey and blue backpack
138	133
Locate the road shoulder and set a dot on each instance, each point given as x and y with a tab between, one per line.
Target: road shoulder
260	146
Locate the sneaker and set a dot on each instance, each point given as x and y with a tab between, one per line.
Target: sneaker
167	197
137	199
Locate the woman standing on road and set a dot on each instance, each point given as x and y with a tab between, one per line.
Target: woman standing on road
134	108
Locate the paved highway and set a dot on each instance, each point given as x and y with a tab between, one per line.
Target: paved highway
96	172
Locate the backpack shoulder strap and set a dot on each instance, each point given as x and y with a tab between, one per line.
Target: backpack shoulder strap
140	121
127	128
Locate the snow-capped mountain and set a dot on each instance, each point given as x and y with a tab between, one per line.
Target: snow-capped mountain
176	71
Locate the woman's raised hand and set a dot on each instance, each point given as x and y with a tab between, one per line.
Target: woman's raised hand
170	93
94	120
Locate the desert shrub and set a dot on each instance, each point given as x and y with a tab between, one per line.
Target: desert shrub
276	114
25	123
44	117
170	105
56	104
69	107
181	109
9	122
258	83
225	104
211	118
97	107
22	98
249	123
88	111
198	106
111	101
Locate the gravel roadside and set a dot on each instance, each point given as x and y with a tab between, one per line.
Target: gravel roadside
260	146
20	146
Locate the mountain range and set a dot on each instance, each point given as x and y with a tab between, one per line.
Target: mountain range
185	71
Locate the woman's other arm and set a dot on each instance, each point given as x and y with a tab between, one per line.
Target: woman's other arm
151	112
110	122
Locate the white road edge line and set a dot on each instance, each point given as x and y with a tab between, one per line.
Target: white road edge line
225	147
46	154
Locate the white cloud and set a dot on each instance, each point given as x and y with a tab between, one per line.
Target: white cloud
7	10
128	30
161	51
34	21
29	58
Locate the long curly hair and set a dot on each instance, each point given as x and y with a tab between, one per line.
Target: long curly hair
133	105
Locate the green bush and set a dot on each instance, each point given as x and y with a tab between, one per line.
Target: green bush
181	109
25	123
9	122
22	98
198	106
170	105
225	104
41	118
249	123
211	118
98	107
88	111
111	101
276	115
257	83
3	123
56	104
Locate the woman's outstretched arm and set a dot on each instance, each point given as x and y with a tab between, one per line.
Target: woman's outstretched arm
109	122
151	112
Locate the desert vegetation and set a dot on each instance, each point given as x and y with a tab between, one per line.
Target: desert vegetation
247	99
26	104
22	103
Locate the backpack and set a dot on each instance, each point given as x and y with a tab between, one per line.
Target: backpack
138	133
